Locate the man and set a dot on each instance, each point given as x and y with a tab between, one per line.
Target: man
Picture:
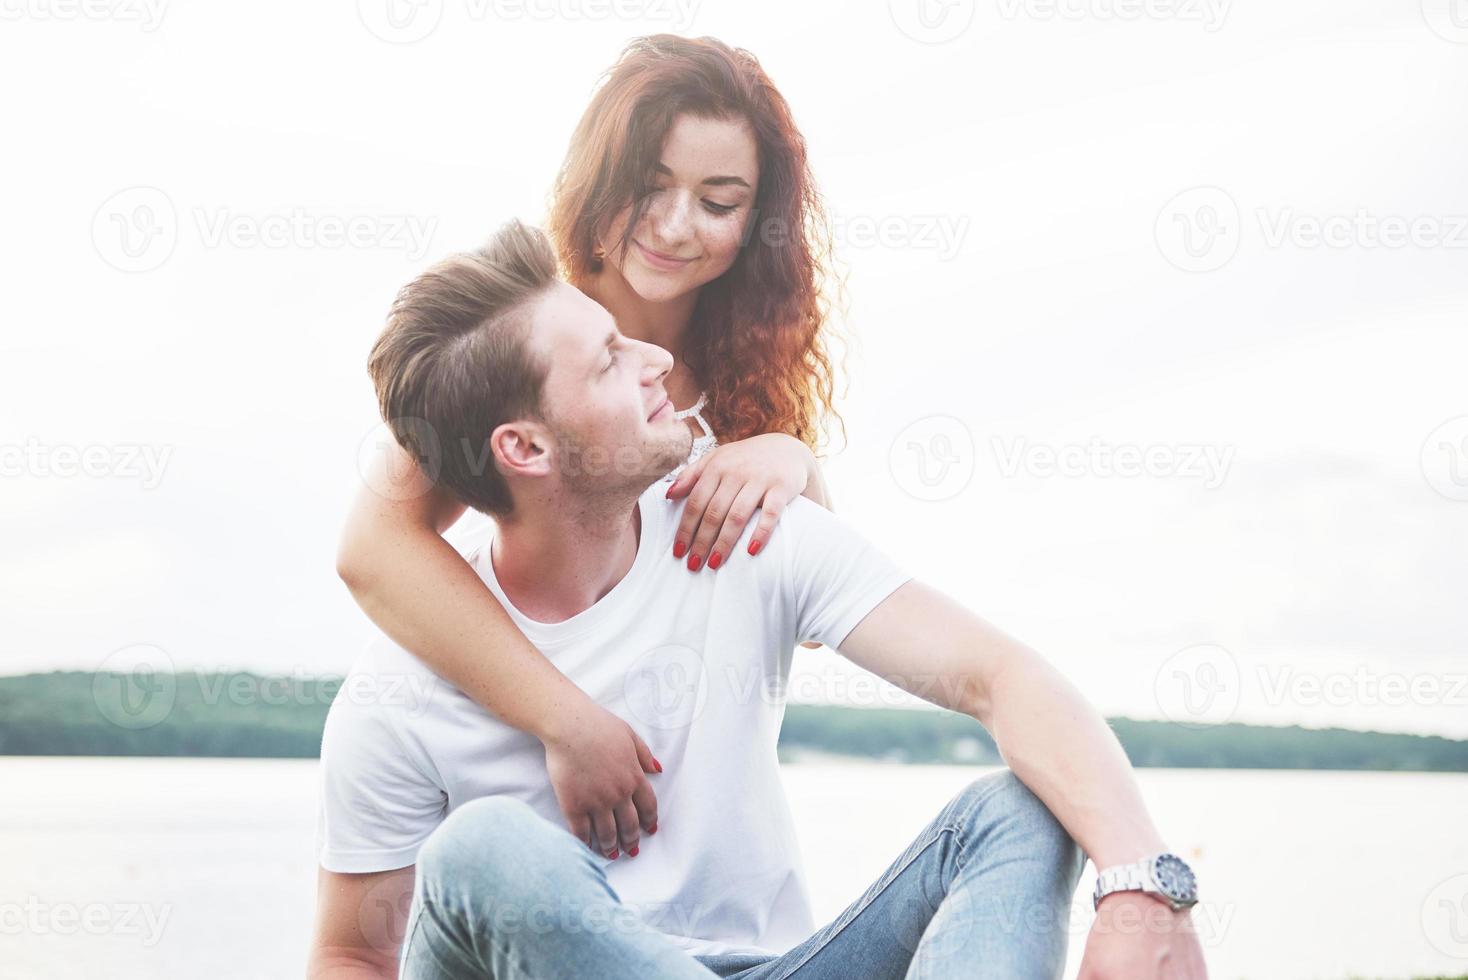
533	407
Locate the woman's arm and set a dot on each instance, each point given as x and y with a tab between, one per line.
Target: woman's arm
426	597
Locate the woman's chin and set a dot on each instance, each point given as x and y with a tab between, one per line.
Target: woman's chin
656	288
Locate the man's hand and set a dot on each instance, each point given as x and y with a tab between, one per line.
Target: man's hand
1138	937
597	764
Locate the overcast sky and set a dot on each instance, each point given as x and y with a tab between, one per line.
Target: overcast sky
1225	245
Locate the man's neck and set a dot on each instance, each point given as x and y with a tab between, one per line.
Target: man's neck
555	558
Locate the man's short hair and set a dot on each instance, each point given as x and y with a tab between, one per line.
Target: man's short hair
454	361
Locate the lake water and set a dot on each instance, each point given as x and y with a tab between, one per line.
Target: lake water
195	868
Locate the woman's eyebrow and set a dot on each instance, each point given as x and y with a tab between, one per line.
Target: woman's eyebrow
723	180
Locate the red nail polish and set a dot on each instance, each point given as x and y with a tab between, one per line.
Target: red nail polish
755	545
714	560
694	563
653	829
615	853
656	764
679	549
632	852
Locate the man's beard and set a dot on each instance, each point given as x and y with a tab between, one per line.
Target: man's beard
591	470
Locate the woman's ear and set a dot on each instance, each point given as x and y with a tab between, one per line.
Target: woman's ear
521	448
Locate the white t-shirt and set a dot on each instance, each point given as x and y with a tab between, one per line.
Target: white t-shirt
697	664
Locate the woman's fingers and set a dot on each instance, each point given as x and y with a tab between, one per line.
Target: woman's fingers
604	826
629	831
735	520
693	516
769	516
702	548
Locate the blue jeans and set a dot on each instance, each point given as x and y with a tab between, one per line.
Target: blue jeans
983	891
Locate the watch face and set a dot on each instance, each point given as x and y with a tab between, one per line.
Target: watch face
1175	878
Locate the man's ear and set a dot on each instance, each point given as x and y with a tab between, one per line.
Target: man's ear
521	448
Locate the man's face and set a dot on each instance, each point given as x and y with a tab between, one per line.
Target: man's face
611	423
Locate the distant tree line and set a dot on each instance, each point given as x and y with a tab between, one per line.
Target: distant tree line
250	715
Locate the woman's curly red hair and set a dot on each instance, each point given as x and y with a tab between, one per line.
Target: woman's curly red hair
758	338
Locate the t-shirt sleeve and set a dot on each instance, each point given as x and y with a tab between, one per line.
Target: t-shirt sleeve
835	574
378	803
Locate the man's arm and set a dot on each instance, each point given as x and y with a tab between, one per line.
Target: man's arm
1054	741
361	921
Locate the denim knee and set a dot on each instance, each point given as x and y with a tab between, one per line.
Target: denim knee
489	841
1000	802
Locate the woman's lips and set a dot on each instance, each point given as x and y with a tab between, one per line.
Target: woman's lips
666	263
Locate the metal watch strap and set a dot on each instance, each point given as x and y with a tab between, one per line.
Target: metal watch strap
1123	878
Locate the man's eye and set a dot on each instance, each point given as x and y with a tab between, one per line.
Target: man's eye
715	208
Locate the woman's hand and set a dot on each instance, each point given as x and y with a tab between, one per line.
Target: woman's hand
725	486
596	764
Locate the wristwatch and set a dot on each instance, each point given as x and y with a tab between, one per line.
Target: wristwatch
1164	875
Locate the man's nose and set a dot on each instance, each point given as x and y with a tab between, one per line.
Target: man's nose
656	363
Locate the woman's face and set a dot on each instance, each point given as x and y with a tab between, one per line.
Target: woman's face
693	227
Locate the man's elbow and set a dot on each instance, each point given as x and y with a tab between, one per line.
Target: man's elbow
350	963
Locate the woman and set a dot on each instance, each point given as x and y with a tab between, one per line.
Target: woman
686	208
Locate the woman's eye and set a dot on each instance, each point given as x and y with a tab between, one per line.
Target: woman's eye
716	208
611	360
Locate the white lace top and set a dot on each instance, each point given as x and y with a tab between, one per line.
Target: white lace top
701	444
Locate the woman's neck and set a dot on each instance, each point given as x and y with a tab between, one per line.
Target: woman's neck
663	323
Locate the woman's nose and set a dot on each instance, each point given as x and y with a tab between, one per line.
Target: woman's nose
671	217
